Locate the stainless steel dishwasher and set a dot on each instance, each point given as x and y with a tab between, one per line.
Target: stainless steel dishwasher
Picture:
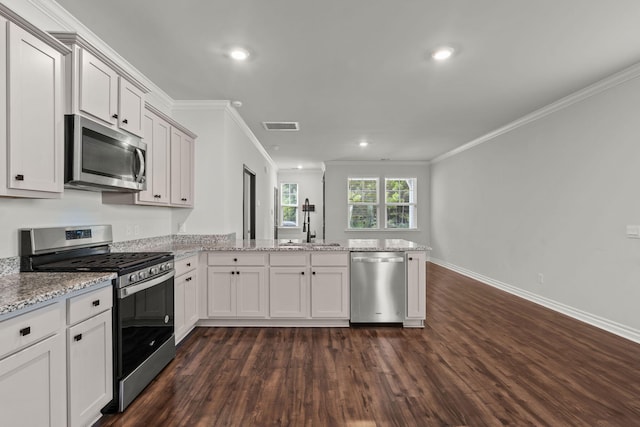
378	287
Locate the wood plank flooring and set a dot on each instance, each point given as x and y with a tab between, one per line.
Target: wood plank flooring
485	358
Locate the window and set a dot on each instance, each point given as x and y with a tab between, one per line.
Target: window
400	203
363	203
289	204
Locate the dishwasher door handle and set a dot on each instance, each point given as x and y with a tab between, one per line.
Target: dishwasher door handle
376	260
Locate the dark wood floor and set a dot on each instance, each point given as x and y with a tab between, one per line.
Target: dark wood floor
485	358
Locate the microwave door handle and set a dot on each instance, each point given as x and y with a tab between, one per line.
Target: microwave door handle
141	167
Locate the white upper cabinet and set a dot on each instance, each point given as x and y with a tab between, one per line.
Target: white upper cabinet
131	107
31	148
99	88
98	94
182	172
157	134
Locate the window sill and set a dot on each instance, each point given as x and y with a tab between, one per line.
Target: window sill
290	228
390	230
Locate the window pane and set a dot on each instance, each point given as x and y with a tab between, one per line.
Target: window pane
363	216
289	216
403	216
363	191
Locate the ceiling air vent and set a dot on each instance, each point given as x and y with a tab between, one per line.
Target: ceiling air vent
282	126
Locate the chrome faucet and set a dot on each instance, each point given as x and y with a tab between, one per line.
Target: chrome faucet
306	222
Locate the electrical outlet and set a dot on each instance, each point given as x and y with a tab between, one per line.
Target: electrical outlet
633	231
540	278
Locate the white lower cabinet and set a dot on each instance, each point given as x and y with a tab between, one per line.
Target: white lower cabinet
288	292
90	368
186	296
32	378
416	285
89	355
236	292
330	292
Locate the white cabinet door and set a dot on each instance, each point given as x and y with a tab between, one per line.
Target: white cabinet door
32	385
35	127
98	95
191	300
330	292
221	292
179	321
288	295
251	292
156	134
182	152
131	108
416	285
90	368
186	304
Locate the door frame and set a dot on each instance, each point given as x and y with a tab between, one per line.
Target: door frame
248	203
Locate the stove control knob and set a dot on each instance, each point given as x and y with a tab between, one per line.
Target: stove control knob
163	267
133	278
154	270
142	275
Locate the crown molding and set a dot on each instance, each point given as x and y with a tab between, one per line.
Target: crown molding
376	162
169	120
70	23
200	105
607	83
41	35
233	113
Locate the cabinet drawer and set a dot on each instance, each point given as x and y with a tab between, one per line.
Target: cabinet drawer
237	258
339	259
289	259
186	264
29	328
88	305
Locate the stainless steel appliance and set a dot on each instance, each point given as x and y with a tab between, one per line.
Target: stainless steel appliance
143	312
378	287
99	158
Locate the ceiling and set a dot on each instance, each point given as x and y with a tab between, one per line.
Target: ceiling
349	70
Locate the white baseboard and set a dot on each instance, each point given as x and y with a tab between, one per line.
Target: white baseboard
597	321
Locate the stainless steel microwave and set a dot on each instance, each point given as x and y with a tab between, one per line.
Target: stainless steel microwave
99	158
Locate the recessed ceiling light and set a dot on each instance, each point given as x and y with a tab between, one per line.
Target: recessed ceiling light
239	54
442	53
299	166
363	143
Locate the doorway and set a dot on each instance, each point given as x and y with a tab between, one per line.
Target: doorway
249	204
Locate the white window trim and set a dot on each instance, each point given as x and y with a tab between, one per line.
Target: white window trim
282	205
414	203
376	204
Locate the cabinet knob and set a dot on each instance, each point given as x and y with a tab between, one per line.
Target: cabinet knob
238	273
233	272
302	273
77	337
313	272
188	279
19	177
188	264
25	331
115	116
96	303
183	199
235	260
125	121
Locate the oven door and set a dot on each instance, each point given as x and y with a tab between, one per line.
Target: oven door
145	321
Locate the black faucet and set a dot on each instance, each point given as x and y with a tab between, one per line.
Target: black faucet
306	222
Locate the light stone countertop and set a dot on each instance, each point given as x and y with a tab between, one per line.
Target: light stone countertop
22	291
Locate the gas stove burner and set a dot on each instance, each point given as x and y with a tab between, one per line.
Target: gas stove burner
113	261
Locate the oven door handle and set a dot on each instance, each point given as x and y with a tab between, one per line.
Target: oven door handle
130	290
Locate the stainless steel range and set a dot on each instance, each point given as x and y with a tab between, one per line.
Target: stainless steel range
143	312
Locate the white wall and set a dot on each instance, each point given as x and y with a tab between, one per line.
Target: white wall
336	175
309	186
552	197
